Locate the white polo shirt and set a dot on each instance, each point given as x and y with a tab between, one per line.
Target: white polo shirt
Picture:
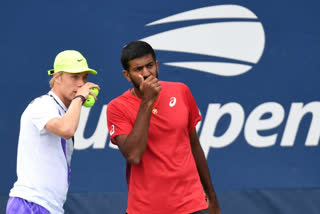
43	160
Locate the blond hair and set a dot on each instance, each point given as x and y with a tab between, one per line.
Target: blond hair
51	82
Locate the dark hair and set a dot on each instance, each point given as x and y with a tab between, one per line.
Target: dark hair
133	50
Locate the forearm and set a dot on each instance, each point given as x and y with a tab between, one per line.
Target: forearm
204	174
72	116
136	142
66	125
203	171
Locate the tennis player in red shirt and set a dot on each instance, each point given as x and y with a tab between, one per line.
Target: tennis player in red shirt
153	125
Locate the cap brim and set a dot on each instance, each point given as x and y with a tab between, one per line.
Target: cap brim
73	71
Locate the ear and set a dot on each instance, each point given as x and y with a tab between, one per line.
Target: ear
126	75
57	77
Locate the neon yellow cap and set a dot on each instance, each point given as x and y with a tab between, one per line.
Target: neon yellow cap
70	61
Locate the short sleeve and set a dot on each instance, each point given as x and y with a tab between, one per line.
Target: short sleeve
42	111
118	124
194	113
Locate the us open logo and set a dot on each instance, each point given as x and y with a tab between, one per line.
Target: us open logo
232	36
226	40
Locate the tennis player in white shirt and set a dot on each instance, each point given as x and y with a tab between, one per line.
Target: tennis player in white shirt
46	142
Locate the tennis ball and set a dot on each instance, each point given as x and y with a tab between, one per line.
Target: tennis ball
90	99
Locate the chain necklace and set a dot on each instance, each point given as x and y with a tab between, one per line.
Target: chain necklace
154	109
57	103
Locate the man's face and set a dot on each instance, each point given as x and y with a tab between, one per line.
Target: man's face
69	83
144	66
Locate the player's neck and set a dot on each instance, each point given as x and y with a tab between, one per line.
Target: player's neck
135	93
65	101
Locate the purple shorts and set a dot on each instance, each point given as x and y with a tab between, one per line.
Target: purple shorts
18	205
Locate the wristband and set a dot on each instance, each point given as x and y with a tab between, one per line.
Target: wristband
80	96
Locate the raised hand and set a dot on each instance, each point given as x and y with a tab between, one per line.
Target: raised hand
149	88
85	90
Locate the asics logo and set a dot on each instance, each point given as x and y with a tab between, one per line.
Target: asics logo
172	102
112	130
230	42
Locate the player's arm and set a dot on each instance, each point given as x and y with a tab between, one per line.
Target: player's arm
133	146
204	174
67	125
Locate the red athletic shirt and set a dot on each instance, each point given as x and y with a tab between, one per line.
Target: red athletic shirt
166	180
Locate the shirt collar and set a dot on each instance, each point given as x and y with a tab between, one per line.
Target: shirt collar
58	100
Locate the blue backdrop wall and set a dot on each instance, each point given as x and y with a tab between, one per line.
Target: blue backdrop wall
252	67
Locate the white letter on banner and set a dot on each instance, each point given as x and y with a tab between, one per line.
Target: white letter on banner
296	114
214	114
99	137
255	123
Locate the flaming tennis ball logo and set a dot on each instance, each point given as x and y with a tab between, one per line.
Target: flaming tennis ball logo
90	99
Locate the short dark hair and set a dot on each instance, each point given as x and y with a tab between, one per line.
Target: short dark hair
133	50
